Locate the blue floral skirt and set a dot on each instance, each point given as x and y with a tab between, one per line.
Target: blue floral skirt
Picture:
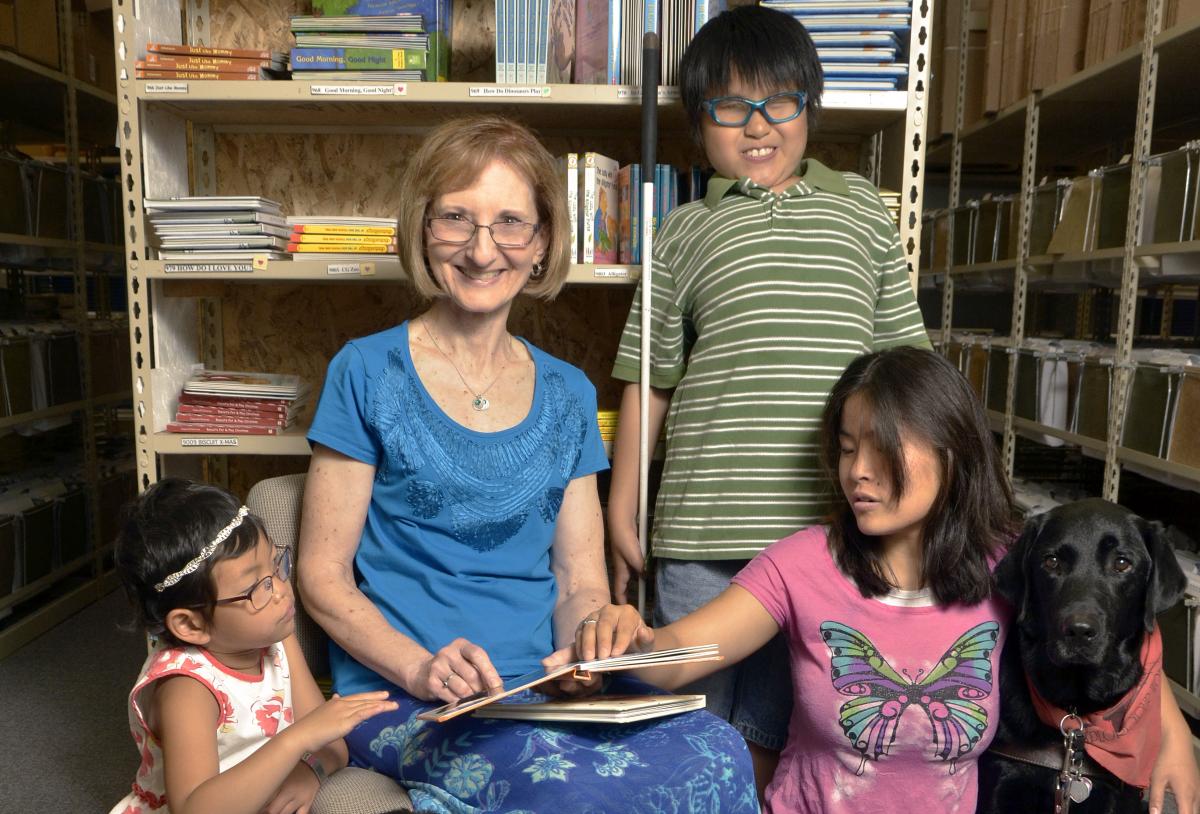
693	763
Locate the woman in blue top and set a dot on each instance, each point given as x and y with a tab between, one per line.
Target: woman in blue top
452	533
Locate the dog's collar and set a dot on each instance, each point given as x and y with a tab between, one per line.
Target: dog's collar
1051	757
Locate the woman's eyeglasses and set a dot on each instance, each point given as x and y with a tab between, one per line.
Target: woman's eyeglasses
507	234
735	111
261	593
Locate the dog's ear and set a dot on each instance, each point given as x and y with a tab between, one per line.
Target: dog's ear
1012	572
1166	582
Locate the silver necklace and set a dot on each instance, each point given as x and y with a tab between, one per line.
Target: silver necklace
479	402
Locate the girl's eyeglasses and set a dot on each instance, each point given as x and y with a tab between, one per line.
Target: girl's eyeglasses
261	593
508	234
735	111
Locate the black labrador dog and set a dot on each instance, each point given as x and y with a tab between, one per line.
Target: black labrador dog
1086	580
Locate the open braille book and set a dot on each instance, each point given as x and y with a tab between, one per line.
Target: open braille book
581	670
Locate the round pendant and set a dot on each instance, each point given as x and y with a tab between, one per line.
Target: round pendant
480	403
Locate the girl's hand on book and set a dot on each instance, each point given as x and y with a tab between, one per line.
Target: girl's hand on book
337	716
458	670
568	686
612	631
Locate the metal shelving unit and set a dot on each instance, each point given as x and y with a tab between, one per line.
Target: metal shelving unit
167	126
53	105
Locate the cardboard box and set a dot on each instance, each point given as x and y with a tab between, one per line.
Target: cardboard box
93	48
37	31
1073	232
973	106
994	70
1014	82
950	62
8	38
1181	11
1097	31
1072	39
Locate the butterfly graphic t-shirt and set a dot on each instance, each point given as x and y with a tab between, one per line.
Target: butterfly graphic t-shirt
894	701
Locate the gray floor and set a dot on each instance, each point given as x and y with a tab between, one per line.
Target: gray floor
66	745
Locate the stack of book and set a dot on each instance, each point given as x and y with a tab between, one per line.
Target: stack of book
334	237
238	403
859	42
592	42
892	201
217	228
373	40
171	61
609	419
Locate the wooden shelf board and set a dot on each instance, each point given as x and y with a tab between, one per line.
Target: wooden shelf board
294	103
1032	429
1152	466
291	442
374	271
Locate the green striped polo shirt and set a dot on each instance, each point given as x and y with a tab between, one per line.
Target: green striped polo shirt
760	301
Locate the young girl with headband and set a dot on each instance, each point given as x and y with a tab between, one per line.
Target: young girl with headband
225	713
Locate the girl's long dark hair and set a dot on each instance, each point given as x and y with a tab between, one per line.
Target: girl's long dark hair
973	516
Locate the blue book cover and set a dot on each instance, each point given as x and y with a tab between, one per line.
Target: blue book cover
837	70
615	43
635	209
855	22
435	13
856	54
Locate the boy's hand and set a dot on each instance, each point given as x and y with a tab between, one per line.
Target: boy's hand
612	631
337	716
628	562
296	793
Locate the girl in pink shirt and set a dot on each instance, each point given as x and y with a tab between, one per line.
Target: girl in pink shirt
892	628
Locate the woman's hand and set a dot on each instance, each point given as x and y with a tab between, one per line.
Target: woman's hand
568	685
458	670
612	631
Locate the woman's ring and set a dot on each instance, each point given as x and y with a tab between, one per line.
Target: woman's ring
446	681
589	622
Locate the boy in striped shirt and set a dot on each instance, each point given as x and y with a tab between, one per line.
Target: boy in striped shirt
762	294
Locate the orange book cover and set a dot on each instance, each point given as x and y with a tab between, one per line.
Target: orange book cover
206	51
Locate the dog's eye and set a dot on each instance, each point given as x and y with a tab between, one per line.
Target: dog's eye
1050	562
1122	564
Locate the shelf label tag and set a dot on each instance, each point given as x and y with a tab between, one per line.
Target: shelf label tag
165	87
618	272
208	442
345	268
207	268
260	262
542	92
665	93
394	89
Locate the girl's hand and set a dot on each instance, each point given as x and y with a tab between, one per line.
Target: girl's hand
296	794
337	716
458	670
612	631
568	685
1175	769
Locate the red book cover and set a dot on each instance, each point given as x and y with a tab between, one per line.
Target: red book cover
233	401
178	62
206	51
222	429
207	410
142	73
232	420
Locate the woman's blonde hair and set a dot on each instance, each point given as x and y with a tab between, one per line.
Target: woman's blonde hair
451	158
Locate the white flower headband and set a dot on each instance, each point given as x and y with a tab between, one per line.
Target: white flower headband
205	552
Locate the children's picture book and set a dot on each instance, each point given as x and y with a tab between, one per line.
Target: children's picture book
591	42
357	59
601	709
211	51
560	60
568	165
625	192
578	669
599	193
433	18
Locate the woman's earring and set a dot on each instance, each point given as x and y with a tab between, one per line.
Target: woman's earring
539	268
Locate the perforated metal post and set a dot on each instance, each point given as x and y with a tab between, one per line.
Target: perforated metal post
1021	274
956	152
916	114
1127	310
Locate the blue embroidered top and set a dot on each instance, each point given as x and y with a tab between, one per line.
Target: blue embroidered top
459	529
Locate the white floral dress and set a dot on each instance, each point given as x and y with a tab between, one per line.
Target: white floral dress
253	709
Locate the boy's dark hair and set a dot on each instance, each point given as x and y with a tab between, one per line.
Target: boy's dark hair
762	46
161	531
973	517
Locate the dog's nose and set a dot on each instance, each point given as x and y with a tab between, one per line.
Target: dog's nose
1080	626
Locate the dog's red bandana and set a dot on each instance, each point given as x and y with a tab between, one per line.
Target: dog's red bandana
1125	737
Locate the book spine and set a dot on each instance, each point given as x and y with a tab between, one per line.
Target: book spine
522	29
179	62
650	16
341	240
361	8
635	208
339	248
247	67
206	399
231	420
614	42
140	73
501	31
266	414
206	51
605	227
543	41
331	229
572	168
624	213
589	208
223	429
357	59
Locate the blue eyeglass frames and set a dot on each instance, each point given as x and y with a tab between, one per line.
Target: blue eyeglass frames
735	111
